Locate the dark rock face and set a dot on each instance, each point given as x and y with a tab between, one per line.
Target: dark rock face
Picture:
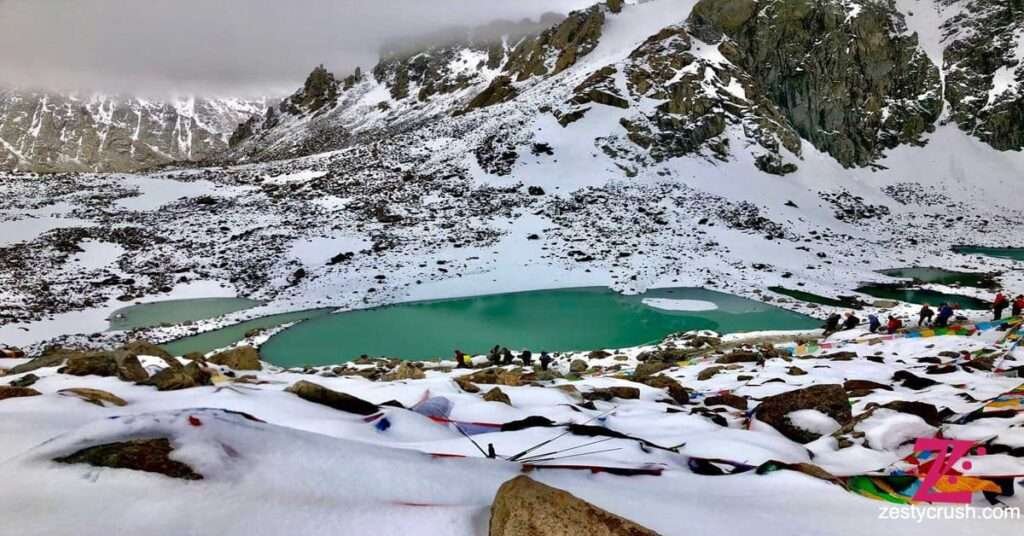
319	394
565	43
983	76
828	399
851	85
500	90
149	455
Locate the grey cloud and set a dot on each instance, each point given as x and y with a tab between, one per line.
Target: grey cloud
221	47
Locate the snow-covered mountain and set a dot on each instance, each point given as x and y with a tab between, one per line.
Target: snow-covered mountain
678	78
49	132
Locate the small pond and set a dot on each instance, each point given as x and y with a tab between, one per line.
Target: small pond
1016	254
921	296
940	276
226	336
147	315
848	302
553	320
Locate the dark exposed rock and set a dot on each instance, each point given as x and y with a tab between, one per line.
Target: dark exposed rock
173	379
497	395
24	381
524	507
828	399
16	392
727	399
149	455
319	394
739	357
240	358
121	364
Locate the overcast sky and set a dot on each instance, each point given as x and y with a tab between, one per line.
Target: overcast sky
218	47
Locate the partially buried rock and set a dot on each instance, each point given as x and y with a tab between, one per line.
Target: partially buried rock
828	399
578	366
17	392
608	393
149	455
649	368
121	364
739	357
138	348
319	394
709	372
24	381
496	395
675	389
467	385
727	399
240	358
525	507
173	379
94	396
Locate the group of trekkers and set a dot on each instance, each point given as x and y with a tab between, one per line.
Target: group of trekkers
926	316
500	355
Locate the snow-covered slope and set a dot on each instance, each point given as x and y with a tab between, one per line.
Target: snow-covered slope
49	132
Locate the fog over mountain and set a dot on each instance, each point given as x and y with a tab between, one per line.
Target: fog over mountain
217	47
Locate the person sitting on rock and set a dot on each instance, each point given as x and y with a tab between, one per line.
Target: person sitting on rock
545	360
999	304
494	356
874	324
851	321
832	324
894	325
506	356
527	358
924	317
945	313
1018	305
462	360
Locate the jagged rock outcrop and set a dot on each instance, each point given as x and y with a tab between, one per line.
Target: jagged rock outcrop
984	73
557	48
848	78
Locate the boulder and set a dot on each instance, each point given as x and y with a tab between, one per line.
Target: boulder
405	371
173	379
828	399
138	348
94	396
149	455
727	399
796	371
709	372
240	358
17	392
467	385
25	381
739	357
52	357
525	507
578	366
496	395
319	394
121	364
675	390
608	393
497	376
648	369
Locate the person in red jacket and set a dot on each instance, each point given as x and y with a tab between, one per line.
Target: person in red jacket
1018	305
894	325
999	304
